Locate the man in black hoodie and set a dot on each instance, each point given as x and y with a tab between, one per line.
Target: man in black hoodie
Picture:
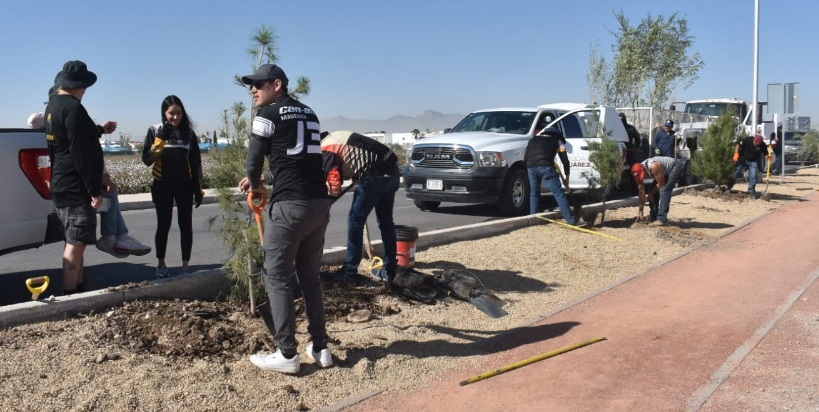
76	166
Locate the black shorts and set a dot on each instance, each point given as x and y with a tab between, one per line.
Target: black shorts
80	224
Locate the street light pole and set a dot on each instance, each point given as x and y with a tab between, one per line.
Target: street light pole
756	68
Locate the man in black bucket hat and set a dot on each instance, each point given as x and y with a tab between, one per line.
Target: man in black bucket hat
76	166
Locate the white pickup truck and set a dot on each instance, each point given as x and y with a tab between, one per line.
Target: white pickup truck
480	160
27	218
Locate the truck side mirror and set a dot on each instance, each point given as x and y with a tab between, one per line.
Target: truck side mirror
447	130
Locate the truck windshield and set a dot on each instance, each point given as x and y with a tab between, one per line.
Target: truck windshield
513	122
716	109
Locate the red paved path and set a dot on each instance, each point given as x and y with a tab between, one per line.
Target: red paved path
727	327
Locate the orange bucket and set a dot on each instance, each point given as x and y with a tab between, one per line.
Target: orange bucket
406	237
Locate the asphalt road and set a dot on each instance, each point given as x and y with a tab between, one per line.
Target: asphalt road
208	251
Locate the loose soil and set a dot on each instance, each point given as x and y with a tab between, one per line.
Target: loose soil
169	355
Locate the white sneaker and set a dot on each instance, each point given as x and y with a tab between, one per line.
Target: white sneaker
129	245
323	358
107	243
277	362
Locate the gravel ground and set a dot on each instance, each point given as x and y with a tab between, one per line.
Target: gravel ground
104	361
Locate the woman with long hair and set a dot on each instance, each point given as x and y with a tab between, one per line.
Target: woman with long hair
172	149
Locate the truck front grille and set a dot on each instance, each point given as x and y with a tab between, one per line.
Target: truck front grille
442	157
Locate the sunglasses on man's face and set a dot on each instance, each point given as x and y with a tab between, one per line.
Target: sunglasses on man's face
259	84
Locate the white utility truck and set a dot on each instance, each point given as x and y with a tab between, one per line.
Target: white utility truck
480	160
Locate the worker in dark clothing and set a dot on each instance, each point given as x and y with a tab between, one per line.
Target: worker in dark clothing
634	140
540	162
634	152
76	166
663	144
374	167
778	149
287	133
748	153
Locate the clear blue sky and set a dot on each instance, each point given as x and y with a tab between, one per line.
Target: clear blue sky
373	59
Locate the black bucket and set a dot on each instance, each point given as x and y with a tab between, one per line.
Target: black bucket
405	237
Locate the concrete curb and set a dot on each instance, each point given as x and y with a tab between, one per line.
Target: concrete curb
210	283
203	285
142	201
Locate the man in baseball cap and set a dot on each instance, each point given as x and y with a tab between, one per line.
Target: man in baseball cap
748	154
663	144
266	72
286	132
666	172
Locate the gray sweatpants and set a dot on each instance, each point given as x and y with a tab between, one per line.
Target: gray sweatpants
294	242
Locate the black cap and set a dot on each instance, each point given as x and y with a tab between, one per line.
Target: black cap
622	115
266	72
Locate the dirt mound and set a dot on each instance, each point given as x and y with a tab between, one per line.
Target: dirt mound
720	194
214	330
176	328
682	237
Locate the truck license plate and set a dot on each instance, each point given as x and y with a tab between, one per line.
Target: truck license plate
434	184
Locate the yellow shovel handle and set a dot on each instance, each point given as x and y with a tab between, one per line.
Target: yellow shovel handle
37	290
376	263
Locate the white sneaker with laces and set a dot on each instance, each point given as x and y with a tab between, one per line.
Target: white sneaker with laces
323	358
107	243
277	362
129	245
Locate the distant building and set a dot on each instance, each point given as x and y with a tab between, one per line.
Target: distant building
403	139
381	137
407	139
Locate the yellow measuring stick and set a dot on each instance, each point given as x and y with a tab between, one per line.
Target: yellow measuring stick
530	360
577	228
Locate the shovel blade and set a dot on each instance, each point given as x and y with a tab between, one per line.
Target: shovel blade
267	316
489	306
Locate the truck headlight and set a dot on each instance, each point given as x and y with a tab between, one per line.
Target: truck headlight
490	159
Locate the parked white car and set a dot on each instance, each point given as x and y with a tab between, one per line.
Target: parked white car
480	160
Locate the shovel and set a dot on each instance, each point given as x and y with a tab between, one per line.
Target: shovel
376	263
765	194
36	291
256	208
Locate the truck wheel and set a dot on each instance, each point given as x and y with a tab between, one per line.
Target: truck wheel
514	199
424	205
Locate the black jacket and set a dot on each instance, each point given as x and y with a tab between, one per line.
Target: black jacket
541	151
180	163
288	133
750	152
74	150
